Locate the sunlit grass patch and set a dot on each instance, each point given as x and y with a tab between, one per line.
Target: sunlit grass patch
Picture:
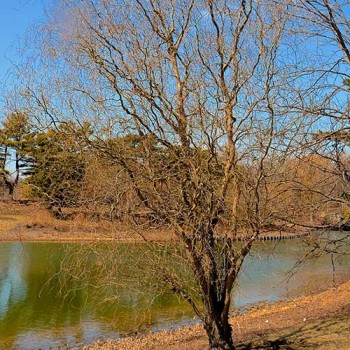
8	222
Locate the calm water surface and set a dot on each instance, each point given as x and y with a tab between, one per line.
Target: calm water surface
41	308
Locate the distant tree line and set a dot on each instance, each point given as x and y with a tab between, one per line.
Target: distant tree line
64	168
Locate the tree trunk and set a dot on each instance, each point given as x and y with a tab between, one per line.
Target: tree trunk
219	334
10	186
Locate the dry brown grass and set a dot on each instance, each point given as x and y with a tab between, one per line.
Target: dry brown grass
33	222
8	222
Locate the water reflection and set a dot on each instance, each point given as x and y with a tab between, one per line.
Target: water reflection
12	284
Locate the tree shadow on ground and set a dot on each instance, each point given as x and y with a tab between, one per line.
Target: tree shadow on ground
325	334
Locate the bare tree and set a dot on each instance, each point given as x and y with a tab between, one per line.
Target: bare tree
329	23
184	98
325	28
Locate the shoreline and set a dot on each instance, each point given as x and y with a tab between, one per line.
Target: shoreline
31	222
256	326
22	233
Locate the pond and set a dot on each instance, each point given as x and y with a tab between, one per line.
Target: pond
40	307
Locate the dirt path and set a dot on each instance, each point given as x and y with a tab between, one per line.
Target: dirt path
320	321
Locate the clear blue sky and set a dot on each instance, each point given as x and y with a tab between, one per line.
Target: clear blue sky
16	16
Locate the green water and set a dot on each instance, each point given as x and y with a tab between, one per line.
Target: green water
50	295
